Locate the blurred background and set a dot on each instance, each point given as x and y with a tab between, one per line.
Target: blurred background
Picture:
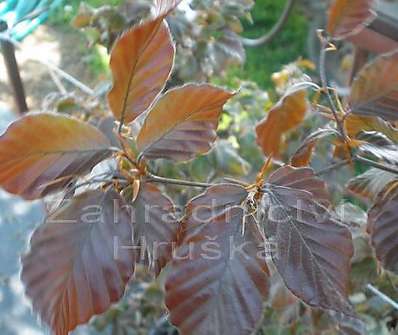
62	49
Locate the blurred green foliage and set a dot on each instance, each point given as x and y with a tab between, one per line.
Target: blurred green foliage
261	62
289	45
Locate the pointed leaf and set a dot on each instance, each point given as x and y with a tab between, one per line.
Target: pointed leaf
354	124
41	153
141	63
383	228
287	114
303	155
375	89
183	122
367	186
313	250
387	154
213	288
301	179
73	270
164	7
375	138
349	17
155	226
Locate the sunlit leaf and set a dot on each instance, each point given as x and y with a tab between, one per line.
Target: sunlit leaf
343	148
386	154
313	249
301	179
74	269
163	7
354	124
183	122
213	288
367	186
375	89
41	153
383	229
375	138
349	17
303	155
287	114
141	62
155	227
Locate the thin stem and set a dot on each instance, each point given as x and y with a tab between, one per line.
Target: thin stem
237	182
162	180
376	165
382	296
57	82
84	88
332	168
325	86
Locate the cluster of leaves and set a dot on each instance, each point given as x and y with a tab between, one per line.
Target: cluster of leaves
207	40
277	238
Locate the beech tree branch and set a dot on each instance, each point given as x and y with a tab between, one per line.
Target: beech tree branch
333	167
168	181
382	296
376	165
325	87
274	31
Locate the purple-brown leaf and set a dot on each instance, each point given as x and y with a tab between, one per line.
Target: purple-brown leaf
368	185
74	269
313	250
383	228
155	226
301	179
211	289
141	63
375	89
41	153
183	122
349	17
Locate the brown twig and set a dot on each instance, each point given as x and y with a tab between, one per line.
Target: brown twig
376	165
156	179
333	167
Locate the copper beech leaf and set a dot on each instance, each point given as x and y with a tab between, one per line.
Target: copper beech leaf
41	153
313	250
301	179
74	269
141	63
219	278
375	89
287	114
349	17
355	124
303	155
183	122
383	228
156	226
164	7
384	154
368	185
